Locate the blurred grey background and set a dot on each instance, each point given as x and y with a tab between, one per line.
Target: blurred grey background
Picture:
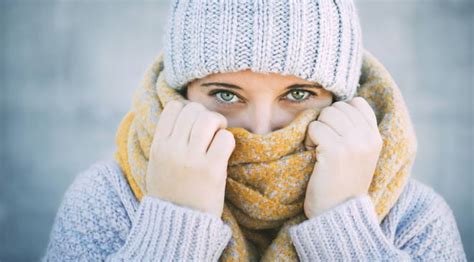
68	70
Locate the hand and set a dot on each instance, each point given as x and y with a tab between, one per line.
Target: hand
188	157
348	144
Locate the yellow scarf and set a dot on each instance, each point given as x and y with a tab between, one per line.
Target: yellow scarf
268	174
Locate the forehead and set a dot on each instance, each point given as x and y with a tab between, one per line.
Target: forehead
249	78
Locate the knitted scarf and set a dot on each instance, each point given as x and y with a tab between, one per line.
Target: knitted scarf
267	174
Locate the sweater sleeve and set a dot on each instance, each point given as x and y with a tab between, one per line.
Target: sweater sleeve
164	231
422	229
92	225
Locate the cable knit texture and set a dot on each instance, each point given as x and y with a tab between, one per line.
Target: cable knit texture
100	219
106	214
319	41
267	175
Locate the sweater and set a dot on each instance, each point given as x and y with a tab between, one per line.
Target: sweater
267	175
100	219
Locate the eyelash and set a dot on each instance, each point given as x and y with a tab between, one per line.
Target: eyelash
216	91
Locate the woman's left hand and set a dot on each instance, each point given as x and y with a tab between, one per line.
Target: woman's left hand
348	144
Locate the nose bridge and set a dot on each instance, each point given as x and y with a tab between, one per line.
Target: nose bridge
261	118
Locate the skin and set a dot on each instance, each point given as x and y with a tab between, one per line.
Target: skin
263	103
193	174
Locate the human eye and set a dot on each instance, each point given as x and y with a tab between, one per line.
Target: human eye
224	96
298	95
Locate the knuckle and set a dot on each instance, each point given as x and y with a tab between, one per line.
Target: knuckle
313	127
326	112
172	106
327	109
191	110
339	104
215	117
227	136
206	117
209	119
357	101
219	118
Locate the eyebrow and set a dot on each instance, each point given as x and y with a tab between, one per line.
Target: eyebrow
238	87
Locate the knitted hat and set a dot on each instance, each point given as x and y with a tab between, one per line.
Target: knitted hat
316	40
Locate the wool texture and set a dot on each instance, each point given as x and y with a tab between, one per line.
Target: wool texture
268	174
319	40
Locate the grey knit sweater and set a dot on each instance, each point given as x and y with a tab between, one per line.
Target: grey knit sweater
100	219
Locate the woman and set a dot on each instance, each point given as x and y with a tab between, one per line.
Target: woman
264	131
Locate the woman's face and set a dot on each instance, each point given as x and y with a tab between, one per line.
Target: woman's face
258	102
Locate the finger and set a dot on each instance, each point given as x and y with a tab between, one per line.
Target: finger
167	119
204	128
336	119
320	134
185	121
366	110
222	146
351	112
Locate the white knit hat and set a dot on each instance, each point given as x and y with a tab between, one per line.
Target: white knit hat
316	40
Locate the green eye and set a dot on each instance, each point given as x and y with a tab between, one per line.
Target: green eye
297	95
226	97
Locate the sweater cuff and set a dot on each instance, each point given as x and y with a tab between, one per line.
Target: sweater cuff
164	231
348	231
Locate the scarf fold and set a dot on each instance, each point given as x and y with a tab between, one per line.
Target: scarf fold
267	174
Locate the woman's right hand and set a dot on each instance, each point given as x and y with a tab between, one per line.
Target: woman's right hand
188	157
